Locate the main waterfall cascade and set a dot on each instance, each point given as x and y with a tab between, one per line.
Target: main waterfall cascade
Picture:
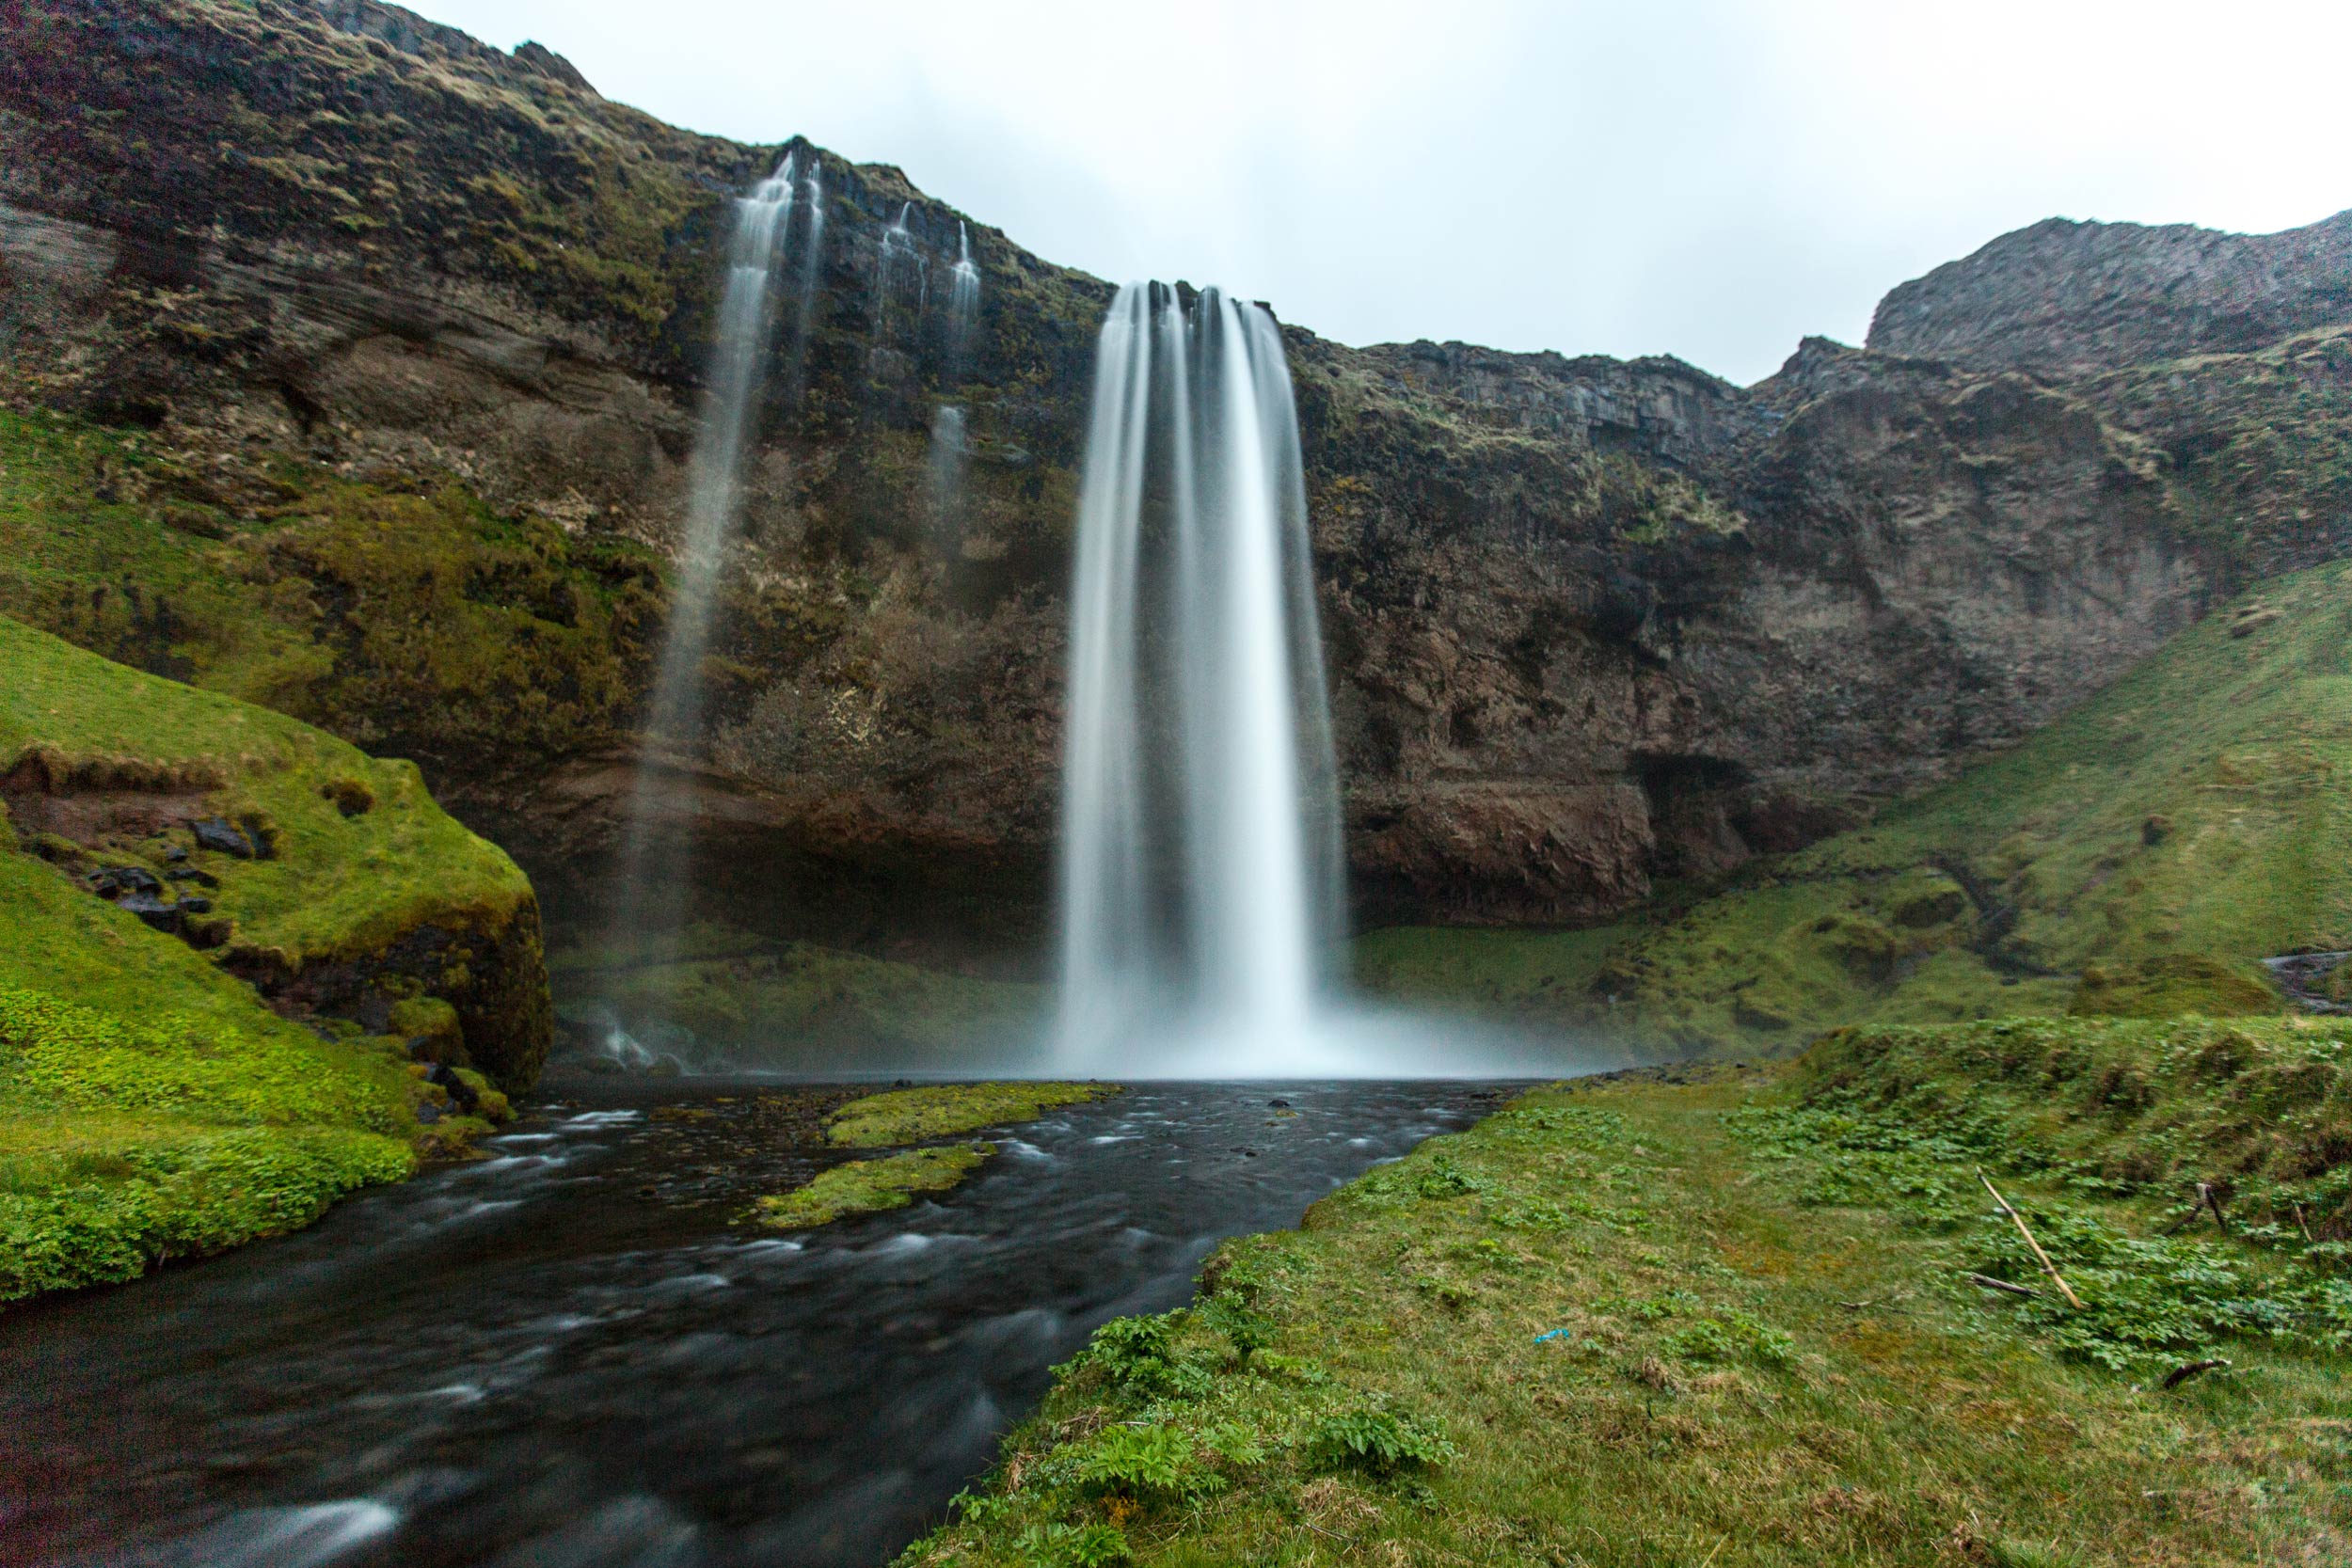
1201	858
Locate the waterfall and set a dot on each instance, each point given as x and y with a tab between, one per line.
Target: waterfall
948	425
812	268
650	902
1199	858
964	298
946	465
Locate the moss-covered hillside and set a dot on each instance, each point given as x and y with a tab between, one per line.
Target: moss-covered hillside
404	619
2138	856
244	968
327	878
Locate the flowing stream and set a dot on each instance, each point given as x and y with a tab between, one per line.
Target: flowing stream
574	1355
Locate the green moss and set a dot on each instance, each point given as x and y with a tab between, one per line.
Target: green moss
417	623
150	1105
870	1186
2170	987
943	1110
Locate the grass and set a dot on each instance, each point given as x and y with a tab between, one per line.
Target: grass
871	1186
337	886
945	1109
360	860
2194	816
150	1105
1639	1324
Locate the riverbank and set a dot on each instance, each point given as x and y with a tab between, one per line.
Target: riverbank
1735	1320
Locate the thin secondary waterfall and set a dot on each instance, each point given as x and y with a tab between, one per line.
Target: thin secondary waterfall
964	296
1199	872
738	361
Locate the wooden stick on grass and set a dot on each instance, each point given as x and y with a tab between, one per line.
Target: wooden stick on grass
2011	1287
2056	1278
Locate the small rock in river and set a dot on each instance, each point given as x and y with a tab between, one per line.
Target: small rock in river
1277	1104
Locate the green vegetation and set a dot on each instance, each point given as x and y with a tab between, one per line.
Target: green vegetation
2138	855
945	1109
1732	1323
110	768
150	1105
737	990
870	1186
414	623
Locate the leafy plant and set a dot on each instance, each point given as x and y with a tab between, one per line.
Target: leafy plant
1443	1177
1141	1460
1246	1329
1728	1337
1381	1441
1051	1546
1138	1357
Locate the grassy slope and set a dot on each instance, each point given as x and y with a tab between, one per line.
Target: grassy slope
149	1104
1640	1325
337	886
2201	806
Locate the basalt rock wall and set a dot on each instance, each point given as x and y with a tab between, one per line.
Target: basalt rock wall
1589	623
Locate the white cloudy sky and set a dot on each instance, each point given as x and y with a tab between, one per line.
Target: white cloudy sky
1695	177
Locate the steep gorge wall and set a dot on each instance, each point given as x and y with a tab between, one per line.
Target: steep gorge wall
1589	622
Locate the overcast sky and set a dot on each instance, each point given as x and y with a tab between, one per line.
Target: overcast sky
1710	179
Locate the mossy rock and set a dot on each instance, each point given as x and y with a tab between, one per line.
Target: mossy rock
346	915
871	1186
2173	985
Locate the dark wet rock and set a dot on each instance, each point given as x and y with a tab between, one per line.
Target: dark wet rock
223	837
176	853
428	1113
117	879
196	904
442	1076
190	874
1277	1104
161	916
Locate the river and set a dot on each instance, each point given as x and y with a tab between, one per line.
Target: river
573	1353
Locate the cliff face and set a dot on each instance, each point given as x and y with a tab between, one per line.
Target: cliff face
1588	621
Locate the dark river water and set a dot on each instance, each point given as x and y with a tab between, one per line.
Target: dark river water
572	1353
